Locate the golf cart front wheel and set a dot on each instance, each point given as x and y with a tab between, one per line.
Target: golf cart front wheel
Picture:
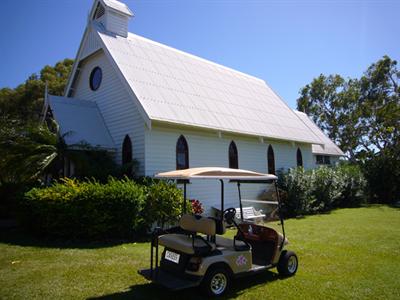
288	263
216	282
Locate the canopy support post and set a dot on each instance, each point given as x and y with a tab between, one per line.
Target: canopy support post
240	201
222	200
280	212
184	197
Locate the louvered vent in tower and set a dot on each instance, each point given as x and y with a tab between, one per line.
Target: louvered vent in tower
99	11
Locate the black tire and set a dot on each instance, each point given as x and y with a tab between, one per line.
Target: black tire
288	263
216	282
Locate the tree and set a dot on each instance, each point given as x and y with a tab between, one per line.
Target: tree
25	102
26	149
380	106
330	101
363	117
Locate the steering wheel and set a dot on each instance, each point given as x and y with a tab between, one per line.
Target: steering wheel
229	215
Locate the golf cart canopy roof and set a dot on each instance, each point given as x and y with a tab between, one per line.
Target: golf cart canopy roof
217	173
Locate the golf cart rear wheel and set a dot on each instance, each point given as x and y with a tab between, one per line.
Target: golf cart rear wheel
288	263
216	281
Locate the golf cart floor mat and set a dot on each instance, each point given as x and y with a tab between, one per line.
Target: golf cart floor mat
169	280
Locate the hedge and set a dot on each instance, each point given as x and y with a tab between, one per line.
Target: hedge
89	209
321	189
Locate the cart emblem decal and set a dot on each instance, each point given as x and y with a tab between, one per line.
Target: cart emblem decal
241	260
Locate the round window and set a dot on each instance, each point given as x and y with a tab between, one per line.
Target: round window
95	78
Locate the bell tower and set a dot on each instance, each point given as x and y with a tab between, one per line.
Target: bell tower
113	15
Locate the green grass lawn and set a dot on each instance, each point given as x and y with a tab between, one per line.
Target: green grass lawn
347	254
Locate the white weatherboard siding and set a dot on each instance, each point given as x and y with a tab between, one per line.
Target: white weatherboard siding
115	104
117	24
207	149
90	45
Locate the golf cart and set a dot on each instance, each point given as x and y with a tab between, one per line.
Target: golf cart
196	254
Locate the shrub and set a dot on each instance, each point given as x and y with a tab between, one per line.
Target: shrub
321	189
89	209
326	188
353	186
163	203
382	172
296	184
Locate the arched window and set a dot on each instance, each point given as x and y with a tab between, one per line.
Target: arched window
182	154
299	158
126	150
127	153
271	160
233	156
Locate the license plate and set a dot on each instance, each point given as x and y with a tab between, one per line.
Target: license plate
172	256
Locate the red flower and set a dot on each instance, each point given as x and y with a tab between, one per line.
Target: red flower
197	207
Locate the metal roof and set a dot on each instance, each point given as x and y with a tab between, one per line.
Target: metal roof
216	173
328	147
118	6
80	122
180	88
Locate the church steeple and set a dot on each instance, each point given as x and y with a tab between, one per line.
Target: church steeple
113	15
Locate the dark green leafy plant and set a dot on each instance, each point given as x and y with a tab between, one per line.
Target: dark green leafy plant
163	204
92	210
75	209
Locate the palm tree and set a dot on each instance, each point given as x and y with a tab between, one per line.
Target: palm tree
26	150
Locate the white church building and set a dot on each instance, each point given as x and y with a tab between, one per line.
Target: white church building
168	109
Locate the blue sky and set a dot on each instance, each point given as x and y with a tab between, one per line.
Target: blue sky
286	43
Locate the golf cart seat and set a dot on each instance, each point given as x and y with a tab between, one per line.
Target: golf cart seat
191	243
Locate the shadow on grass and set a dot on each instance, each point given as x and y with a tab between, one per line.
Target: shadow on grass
153	291
18	237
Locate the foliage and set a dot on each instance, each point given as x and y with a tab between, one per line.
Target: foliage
75	209
29	151
383	176
363	117
326	188
163	203
90	162
296	185
25	150
25	102
88	209
322	189
354	185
